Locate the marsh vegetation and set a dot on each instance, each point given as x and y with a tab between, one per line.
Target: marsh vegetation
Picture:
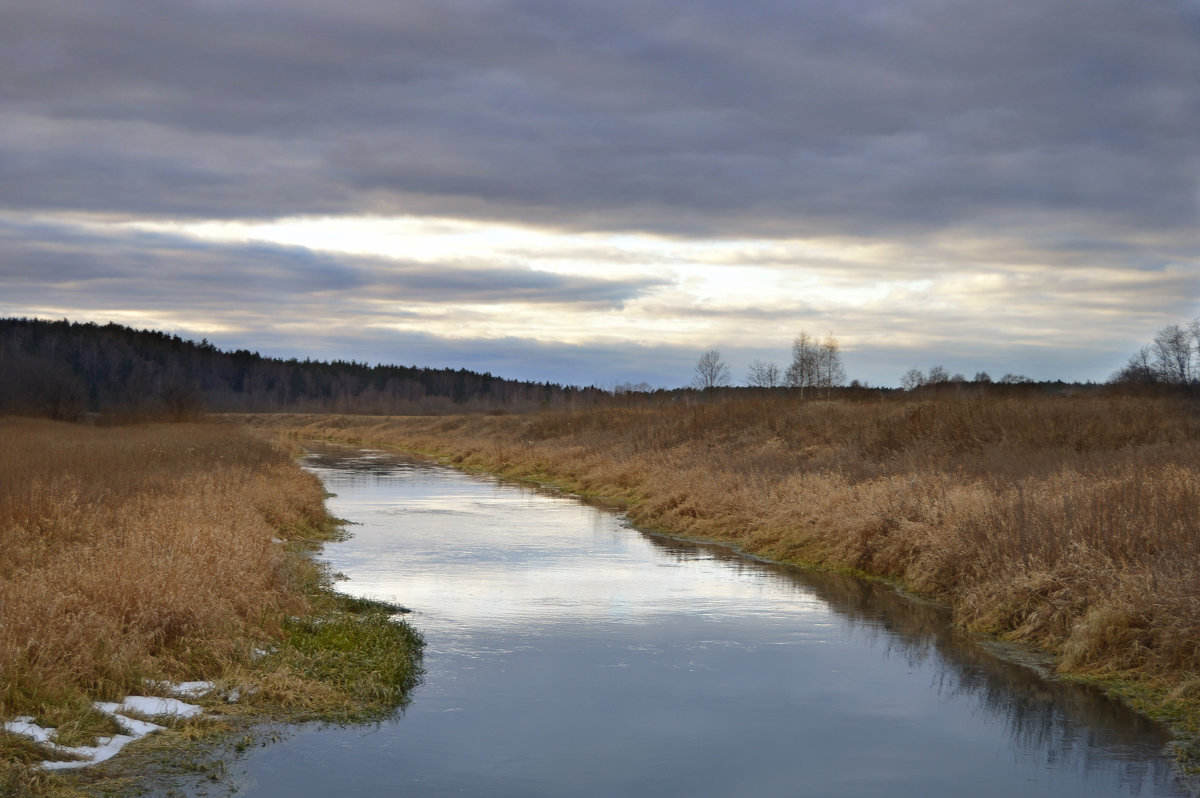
146	554
1071	523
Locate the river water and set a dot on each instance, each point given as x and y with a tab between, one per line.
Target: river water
570	655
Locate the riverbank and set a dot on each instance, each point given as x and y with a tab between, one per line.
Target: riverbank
1068	523
142	556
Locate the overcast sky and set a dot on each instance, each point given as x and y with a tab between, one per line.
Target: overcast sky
597	192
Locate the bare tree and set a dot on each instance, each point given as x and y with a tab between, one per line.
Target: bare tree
1173	355
763	375
830	372
1139	369
815	364
912	379
801	373
1172	358
937	375
711	371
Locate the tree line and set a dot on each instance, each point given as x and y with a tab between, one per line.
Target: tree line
1171	359
64	370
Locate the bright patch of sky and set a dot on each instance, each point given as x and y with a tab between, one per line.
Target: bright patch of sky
713	276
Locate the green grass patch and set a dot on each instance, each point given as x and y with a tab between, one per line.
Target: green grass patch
365	661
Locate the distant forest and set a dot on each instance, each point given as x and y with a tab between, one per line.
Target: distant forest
66	370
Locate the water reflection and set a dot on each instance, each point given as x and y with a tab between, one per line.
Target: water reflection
1064	725
569	655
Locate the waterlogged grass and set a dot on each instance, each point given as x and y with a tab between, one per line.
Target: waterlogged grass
156	553
362	658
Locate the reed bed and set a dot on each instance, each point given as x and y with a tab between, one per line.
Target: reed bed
1068	522
164	552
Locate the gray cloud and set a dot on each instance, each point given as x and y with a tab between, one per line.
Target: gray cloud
861	117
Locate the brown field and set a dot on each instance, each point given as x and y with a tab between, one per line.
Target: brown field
1069	522
156	552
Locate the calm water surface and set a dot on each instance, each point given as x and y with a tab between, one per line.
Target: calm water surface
569	655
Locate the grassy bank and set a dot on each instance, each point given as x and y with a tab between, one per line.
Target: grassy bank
166	553
1068	523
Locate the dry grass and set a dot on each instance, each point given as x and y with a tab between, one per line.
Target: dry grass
1072	523
160	552
139	552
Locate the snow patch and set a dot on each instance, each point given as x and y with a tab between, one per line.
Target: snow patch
92	754
131	726
107	747
151	706
25	726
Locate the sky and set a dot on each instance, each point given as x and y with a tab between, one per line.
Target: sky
595	193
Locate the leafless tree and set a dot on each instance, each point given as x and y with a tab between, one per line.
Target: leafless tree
937	375
710	371
830	372
763	375
1139	369
912	379
1174	355
815	364
804	363
1173	358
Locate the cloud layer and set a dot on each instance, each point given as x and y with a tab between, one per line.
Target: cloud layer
1031	165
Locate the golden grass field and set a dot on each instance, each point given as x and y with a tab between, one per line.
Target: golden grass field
1071	523
166	552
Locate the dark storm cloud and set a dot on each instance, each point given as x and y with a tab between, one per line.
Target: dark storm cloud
706	117
54	265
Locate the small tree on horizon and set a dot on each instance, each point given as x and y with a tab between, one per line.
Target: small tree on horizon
815	364
763	375
937	375
710	371
912	379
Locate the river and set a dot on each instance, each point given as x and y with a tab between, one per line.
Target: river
570	655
